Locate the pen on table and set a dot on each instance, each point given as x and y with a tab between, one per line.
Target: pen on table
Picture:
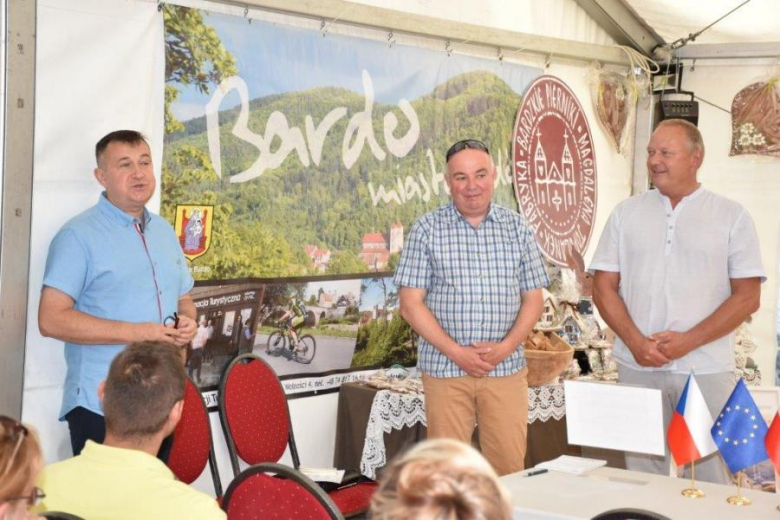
535	472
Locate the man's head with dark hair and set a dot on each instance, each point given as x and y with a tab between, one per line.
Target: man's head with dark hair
131	137
124	169
145	381
471	177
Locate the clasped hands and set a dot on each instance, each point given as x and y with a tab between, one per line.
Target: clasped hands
481	357
661	348
179	335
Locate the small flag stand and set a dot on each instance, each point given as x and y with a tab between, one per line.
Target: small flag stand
688	435
739	500
693	491
772	444
739	432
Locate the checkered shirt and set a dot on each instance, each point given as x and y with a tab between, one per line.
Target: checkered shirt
473	278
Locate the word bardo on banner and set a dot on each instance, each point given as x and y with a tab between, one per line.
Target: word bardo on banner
359	131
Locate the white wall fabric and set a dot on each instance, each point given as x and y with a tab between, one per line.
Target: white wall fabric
753	181
99	68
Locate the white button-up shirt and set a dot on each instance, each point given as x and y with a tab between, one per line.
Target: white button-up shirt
676	266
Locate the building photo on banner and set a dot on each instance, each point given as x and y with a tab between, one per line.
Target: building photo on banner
345	325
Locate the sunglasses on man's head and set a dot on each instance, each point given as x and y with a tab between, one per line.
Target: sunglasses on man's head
15	432
467	144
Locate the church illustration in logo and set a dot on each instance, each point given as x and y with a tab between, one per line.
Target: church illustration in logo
554	168
555	186
193	227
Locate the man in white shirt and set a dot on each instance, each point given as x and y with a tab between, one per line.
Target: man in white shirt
677	269
198	344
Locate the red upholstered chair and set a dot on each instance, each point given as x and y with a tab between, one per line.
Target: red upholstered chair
256	420
274	491
629	514
192	446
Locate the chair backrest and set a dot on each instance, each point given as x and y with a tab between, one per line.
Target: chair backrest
192	446
254	413
59	515
627	513
271	490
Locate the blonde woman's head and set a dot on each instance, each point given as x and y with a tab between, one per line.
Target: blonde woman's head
440	479
20	462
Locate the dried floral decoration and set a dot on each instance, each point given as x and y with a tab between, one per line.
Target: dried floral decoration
755	123
615	96
615	100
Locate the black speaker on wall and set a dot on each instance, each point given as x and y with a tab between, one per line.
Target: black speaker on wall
687	109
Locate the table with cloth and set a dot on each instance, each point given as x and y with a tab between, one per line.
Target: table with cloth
374	425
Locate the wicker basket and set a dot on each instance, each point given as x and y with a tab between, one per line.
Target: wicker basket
547	357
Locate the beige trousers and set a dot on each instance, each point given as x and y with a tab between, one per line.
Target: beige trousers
498	405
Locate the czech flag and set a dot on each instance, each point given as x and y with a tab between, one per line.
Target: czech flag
773	442
689	432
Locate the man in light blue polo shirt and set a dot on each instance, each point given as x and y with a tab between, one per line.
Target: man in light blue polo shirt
115	275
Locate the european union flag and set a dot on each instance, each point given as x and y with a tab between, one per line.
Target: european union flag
739	431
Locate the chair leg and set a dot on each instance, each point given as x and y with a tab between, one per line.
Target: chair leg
215	472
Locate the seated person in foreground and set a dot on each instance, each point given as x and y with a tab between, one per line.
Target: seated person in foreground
20	462
143	399
440	479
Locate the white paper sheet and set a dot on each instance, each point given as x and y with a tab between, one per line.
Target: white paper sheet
616	417
323	474
573	465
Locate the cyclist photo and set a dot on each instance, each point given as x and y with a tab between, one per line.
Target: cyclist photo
308	327
296	315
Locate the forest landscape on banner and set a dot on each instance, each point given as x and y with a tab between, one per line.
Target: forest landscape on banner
303	158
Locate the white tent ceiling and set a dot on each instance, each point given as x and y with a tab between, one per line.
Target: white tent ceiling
579	29
756	21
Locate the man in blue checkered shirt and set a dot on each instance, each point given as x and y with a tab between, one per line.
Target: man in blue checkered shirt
471	278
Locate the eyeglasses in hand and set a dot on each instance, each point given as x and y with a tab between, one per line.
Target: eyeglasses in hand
172	319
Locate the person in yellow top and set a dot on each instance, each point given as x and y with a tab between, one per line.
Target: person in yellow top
143	399
297	315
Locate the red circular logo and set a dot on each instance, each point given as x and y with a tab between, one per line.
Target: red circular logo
554	168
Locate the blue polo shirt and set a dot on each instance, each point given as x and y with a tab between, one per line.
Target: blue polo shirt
113	270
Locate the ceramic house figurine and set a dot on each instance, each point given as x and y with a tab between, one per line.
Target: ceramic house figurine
745	367
550	313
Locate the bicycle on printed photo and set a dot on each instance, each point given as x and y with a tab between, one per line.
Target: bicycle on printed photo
281	343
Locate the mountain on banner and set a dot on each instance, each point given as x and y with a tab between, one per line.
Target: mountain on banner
323	202
689	431
739	431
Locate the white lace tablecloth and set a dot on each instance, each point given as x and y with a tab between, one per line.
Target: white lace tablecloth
394	411
545	402
390	410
